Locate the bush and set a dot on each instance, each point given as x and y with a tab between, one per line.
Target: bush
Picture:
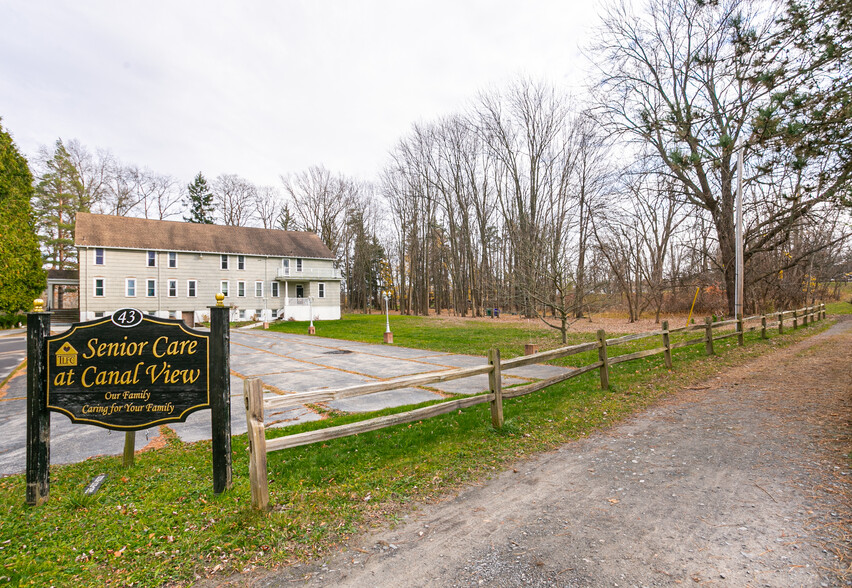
7	321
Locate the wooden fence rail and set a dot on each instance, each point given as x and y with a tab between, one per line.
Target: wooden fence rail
259	446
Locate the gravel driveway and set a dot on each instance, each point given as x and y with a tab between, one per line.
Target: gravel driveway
743	481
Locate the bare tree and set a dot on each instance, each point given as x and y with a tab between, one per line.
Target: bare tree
235	199
267	206
523	130
677	77
319	200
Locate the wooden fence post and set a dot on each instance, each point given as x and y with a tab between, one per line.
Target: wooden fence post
795	319
740	341
38	417
805	316
602	356
129	449
253	396
667	344
823	310
495	385
220	394
763	327
708	335
780	323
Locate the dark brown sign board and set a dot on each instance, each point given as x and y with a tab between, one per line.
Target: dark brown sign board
128	372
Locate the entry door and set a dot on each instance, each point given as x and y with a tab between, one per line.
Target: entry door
188	318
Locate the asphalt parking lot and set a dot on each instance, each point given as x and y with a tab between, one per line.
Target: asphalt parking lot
285	363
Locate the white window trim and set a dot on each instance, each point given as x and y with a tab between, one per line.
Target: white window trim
256	284
320	289
299	265
103	256
241	289
95	287
127	293
195	282
275	289
148	259
147	283
241	261
169	260
223	259
169	289
225	287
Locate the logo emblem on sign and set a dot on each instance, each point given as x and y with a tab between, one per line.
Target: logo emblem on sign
66	355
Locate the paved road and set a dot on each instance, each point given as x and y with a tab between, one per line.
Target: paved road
286	364
13	350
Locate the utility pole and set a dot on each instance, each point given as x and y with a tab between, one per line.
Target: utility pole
738	297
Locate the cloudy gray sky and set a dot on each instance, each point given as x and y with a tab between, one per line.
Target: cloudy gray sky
263	88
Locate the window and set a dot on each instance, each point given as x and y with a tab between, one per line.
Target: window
285	265
224	287
298	264
241	288
275	289
172	259
152	259
321	290
224	261
191	286
130	287
172	314
99	256
300	291
258	289
99	286
99	314
242	314
241	262
151	289
172	288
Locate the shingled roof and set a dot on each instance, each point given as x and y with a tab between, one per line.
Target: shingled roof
101	230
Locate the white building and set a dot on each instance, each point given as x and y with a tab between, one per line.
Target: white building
174	270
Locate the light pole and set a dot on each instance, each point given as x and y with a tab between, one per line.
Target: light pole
388	334
311	329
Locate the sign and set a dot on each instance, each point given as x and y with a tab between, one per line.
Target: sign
128	371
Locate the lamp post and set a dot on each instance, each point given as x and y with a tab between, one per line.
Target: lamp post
311	329
388	334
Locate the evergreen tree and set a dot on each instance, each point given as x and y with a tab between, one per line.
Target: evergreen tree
808	63
200	202
59	195
21	274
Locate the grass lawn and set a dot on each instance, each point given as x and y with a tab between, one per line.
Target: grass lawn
436	334
160	522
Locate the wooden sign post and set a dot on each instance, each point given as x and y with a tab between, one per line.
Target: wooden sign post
38	417
126	372
220	396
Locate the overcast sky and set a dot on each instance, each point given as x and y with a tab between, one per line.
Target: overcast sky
263	88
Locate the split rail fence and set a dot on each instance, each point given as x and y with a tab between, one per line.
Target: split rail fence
259	446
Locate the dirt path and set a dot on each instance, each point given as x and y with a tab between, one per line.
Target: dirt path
745	481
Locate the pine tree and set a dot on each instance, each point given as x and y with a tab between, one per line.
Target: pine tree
59	196
200	202
809	118
21	273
